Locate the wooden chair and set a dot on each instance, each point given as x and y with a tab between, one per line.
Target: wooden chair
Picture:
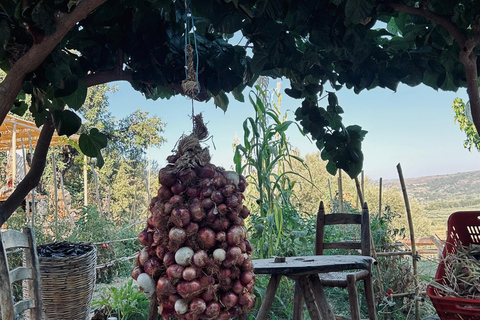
28	272
347	279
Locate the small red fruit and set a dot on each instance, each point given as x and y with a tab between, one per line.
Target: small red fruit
104	246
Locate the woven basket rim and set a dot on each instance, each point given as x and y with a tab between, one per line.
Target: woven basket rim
90	248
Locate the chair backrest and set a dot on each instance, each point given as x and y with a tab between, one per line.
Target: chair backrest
343	219
28	273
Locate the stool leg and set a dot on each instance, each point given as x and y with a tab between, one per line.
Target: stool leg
298	302
370	297
269	297
353	297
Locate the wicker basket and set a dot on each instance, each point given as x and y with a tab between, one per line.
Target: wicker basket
68	282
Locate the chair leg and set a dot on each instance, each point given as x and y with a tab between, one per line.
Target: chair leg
370	297
298	302
353	297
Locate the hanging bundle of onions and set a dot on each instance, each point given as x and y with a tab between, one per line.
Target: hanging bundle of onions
196	250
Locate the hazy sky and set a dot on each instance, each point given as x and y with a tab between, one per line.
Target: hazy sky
413	126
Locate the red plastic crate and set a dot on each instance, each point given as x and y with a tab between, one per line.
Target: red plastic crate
464	229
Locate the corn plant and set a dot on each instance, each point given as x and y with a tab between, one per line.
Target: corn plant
265	158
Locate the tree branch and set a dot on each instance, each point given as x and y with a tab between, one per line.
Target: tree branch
13	82
423	11
467	57
32	178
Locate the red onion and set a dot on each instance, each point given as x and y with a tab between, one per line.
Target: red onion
160	236
164	193
219	180
238	222
243	247
213	310
196	211
207	171
153	267
221	224
175	271
206	238
180	217
167	209
237	287
236	235
228	190
152	202
248	246
244	213
235	272
208	295
235	256
206	281
197	306
224	315
172	158
136	272
176	200
189	273
217	197
164	286
229	299
224	274
207	203
250	285
146	238
192	192
187	176
200	258
246	277
177	237
188	288
235	311
247	265
191	229
206	183
233	201
167	176
143	256
160	252
211	215
207	192
169	259
247	300
221	236
178	188
222	209
168	309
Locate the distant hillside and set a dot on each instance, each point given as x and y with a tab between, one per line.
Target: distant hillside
464	186
443	195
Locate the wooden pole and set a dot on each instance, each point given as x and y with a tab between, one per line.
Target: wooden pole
27	203
14	156
330	190
72	220
56	195
340	190
380	199
97	191
85	182
372	244
363	185
33	190
412	239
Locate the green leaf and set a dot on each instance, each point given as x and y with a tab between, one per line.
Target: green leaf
258	61
357	11
43	16
331	167
76	99
92	143
66	122
221	101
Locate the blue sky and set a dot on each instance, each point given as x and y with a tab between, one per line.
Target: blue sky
413	127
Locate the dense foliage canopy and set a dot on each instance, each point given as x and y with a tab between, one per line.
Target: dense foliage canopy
54	49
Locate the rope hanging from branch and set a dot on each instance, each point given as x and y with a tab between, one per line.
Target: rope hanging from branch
190	85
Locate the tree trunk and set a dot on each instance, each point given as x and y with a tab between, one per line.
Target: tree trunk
32	178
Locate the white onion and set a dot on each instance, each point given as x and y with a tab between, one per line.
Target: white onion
146	284
183	256
181	307
219	255
232	177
